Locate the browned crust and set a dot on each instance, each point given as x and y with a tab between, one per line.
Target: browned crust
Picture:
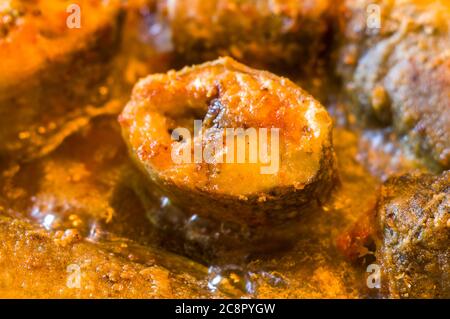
413	221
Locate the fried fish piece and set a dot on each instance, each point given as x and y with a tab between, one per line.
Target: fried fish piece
48	65
257	32
414	219
226	94
37	263
398	72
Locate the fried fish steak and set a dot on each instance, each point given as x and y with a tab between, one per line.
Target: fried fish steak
414	218
226	94
398	72
260	33
48	65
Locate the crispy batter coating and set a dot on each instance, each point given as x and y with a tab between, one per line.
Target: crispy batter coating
226	94
400	73
414	219
257	32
